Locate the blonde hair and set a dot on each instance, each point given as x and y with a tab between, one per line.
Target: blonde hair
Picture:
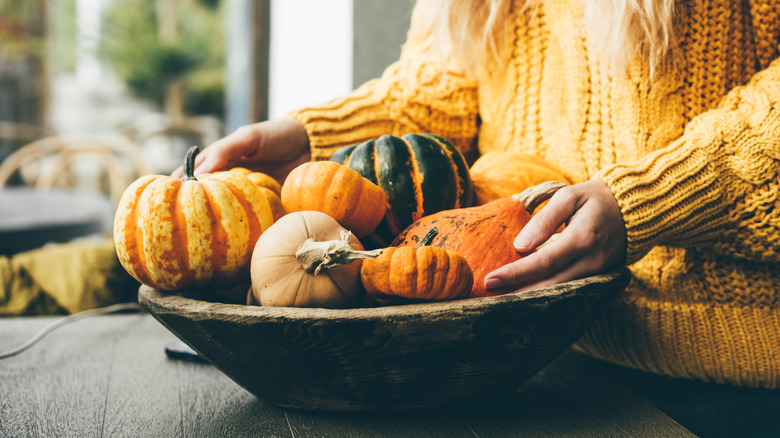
473	30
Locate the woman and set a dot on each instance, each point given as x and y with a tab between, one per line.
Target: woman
666	114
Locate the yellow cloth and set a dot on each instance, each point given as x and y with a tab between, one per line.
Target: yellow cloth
64	278
692	157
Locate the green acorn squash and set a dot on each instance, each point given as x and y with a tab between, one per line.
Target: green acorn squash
421	174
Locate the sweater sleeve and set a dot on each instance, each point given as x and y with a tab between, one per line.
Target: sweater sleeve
716	187
415	94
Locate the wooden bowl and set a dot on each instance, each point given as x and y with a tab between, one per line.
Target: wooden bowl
387	358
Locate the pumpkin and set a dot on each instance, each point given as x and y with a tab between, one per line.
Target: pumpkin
173	234
501	174
420	174
260	179
484	235
277	208
338	191
268	186
307	259
424	273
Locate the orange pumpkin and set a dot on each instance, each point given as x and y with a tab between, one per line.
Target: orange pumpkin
500	174
484	235
338	191
173	234
424	273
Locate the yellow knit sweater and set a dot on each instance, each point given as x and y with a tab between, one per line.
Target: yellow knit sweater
692	157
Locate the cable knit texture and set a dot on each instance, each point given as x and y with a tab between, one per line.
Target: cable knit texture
692	156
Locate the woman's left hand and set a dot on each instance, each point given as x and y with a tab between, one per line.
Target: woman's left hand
593	241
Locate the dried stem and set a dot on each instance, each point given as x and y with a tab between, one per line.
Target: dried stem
315	256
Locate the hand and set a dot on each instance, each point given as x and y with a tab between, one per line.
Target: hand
593	241
272	147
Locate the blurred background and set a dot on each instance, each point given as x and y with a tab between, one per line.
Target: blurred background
96	93
95	90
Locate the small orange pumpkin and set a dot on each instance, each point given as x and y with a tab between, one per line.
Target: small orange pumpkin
501	174
424	273
338	191
173	234
484	235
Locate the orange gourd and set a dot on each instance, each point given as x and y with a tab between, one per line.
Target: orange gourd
501	174
174	234
338	191
484	235
425	273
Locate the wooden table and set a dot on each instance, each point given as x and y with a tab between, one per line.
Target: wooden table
30	217
109	376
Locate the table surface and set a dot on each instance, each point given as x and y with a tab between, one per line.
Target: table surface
31	217
109	376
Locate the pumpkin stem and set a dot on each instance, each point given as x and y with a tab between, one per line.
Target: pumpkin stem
428	237
532	197
189	164
315	256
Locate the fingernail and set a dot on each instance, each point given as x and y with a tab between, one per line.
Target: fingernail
492	283
522	241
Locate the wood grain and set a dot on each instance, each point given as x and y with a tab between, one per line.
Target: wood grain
58	387
108	376
141	393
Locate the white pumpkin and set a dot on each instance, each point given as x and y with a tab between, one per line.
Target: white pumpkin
306	259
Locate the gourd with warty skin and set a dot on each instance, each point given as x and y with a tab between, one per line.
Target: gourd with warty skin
484	235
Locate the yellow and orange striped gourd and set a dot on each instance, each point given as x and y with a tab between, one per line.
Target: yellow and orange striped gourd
270	188
174	234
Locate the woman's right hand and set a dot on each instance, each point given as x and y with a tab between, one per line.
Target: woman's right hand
273	147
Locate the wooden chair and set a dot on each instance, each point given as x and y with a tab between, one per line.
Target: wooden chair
50	161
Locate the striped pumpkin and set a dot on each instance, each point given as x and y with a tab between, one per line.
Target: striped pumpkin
268	186
421	174
174	234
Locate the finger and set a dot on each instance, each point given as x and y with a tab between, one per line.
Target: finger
179	171
546	222
213	162
579	269
225	152
544	263
197	164
218	156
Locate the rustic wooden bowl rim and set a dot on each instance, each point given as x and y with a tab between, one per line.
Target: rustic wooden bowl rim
207	309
